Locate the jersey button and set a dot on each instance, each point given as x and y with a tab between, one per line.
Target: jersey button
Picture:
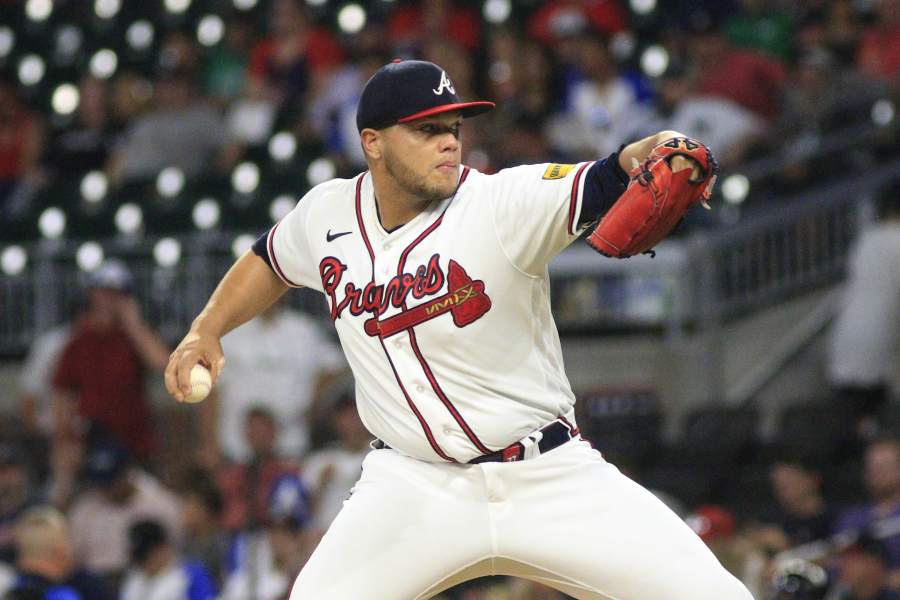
420	388
397	344
447	430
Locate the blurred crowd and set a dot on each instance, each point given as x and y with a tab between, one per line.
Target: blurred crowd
104	496
275	85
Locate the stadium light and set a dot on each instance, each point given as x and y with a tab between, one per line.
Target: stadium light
735	188
38	10
31	69
320	170
89	256
245	177
210	30
13	260
68	41
94	186
241	244
643	7
140	35
317	2
170	182
206	214
65	98
281	206
245	5
352	18
496	11
282	146
167	252
7	41
104	63
176	7
655	60
52	223
883	112
107	9
129	218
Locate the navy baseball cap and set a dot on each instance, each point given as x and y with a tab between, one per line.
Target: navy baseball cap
405	90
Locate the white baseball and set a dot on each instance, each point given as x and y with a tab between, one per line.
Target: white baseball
201	383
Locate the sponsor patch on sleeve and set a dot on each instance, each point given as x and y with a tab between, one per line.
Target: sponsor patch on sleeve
557	171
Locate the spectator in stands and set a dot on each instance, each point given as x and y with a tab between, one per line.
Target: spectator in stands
100	373
119	495
36	379
604	17
863	571
15	494
295	56
599	106
722	123
800	514
157	572
750	79
412	26
882	513
265	370
865	340
179	130
247	486
86	144
46	563
332	471
205	540
225	71
21	145
762	25
265	562
879	48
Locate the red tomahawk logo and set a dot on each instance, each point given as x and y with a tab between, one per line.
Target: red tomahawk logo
466	301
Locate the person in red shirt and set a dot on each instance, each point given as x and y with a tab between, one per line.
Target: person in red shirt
879	49
411	27
99	376
749	78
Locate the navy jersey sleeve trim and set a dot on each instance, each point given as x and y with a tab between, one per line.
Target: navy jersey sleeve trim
604	182
261	250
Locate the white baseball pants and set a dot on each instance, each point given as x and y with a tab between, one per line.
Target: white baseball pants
566	519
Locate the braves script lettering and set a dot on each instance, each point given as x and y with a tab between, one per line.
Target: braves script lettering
375	299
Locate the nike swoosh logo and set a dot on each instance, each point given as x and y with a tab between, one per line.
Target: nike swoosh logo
331	237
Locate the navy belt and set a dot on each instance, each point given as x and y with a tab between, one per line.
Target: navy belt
534	444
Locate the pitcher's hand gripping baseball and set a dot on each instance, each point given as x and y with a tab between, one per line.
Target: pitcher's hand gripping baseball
676	175
195	349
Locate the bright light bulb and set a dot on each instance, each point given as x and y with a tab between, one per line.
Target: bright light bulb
89	256
65	99
52	223
177	6
281	206
7	41
13	260
735	188
107	9
94	186
655	60
320	171
38	10
129	218
167	252
352	18
31	69
497	11
245	177
210	30
282	146
241	244
140	35
206	214
170	182
104	63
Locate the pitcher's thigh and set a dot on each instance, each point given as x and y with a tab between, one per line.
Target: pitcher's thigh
397	536
603	534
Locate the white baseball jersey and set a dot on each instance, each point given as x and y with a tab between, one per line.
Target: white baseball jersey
446	320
